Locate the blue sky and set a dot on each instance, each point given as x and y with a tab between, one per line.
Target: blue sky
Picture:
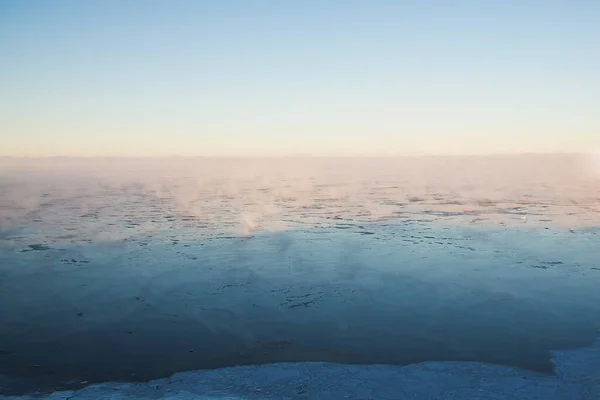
265	77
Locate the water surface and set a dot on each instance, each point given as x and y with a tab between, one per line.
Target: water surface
136	269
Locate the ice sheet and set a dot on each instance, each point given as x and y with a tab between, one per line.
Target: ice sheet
578	379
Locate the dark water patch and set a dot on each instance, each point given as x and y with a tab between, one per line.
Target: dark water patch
393	203
64	237
36	247
441	213
466	248
301	304
89	215
73	261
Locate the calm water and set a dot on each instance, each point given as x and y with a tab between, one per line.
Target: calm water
135	269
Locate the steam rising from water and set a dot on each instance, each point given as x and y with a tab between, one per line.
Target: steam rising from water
241	196
248	225
592	162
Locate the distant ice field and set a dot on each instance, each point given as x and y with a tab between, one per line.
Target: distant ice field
131	270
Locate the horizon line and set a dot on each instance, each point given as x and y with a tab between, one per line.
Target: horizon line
225	156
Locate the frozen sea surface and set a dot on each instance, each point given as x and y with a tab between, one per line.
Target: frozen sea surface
577	378
354	270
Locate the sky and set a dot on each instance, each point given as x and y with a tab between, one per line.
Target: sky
274	77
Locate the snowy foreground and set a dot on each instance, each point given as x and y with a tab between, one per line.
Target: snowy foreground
578	378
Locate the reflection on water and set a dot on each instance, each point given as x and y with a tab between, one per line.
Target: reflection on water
135	271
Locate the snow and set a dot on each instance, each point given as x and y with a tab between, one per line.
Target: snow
578	379
433	278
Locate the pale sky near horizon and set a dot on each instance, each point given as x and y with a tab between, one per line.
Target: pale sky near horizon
267	77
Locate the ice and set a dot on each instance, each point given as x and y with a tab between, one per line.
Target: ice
578	379
338	276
